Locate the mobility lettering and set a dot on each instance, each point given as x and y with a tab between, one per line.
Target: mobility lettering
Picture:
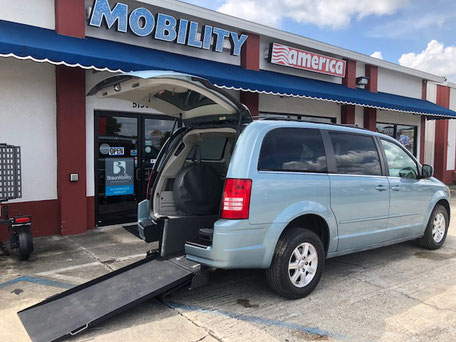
167	28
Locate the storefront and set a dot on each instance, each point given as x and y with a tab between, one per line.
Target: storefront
54	53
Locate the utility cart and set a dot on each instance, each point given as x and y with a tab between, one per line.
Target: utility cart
20	236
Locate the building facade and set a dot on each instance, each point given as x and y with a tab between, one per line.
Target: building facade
54	52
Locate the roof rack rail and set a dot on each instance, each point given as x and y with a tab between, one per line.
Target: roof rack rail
278	118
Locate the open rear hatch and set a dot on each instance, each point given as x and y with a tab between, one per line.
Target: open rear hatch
194	100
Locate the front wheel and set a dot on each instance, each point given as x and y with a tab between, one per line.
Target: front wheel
297	264
436	230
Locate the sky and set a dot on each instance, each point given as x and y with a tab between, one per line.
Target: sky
416	33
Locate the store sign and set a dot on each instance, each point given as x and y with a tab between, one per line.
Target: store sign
143	22
119	176
116	151
305	60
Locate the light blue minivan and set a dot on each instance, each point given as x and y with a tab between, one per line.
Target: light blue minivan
284	196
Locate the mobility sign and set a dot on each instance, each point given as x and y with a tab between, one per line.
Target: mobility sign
119	176
305	60
164	27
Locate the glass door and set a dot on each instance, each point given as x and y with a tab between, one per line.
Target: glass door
117	167
126	146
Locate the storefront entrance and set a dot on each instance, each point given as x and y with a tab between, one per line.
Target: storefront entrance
126	146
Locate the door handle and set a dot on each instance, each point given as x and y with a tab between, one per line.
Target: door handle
138	171
396	188
381	188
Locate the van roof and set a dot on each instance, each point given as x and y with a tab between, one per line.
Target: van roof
305	124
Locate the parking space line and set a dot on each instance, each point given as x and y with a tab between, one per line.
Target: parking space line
36	280
254	319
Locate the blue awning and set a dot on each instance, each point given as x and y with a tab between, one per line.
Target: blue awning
43	45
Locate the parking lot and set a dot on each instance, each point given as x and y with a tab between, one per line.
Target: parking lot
397	293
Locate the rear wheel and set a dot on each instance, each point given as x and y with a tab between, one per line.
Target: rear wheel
25	245
436	230
297	264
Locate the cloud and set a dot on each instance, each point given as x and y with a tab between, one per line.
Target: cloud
436	59
409	26
323	13
377	54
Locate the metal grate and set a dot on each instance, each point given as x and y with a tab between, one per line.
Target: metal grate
10	172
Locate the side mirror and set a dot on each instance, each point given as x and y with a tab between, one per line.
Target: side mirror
427	171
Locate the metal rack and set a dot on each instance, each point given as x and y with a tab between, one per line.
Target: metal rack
10	172
20	237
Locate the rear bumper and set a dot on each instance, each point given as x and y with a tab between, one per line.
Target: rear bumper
236	244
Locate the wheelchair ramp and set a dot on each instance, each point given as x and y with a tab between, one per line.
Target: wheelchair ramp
73	311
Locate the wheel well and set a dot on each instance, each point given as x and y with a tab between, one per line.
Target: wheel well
446	205
314	223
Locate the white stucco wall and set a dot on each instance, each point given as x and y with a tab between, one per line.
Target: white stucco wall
359	116
31	12
399	83
429	137
360	69
28	119
293	105
451	156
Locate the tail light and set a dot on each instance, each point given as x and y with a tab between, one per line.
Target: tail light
22	219
236	199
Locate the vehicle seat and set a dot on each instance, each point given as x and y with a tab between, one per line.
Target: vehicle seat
197	189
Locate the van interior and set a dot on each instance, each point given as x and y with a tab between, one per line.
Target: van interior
188	191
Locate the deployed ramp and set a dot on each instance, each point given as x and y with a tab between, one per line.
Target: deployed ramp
72	311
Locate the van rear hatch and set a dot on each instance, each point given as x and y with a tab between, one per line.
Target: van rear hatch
193	99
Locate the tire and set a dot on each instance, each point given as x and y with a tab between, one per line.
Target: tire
25	246
436	230
279	276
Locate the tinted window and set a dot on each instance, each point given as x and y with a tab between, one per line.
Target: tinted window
211	148
293	149
355	154
400	164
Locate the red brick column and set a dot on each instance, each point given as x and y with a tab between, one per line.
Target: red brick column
441	138
71	126
70	18
250	59
370	114
347	112
71	151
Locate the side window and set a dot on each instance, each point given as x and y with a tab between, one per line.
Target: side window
355	154
293	149
400	164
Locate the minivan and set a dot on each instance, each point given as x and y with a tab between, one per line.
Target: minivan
283	196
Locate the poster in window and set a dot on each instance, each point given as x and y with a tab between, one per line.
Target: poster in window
119	176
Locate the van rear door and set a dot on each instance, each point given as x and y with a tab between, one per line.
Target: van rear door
193	99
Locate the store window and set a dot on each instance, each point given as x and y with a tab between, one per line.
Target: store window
405	134
355	154
293	149
307	118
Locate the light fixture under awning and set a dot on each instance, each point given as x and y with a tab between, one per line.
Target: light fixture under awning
43	45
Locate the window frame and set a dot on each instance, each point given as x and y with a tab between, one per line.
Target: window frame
294	171
331	155
398	144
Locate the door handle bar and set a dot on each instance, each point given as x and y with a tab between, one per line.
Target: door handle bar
381	188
